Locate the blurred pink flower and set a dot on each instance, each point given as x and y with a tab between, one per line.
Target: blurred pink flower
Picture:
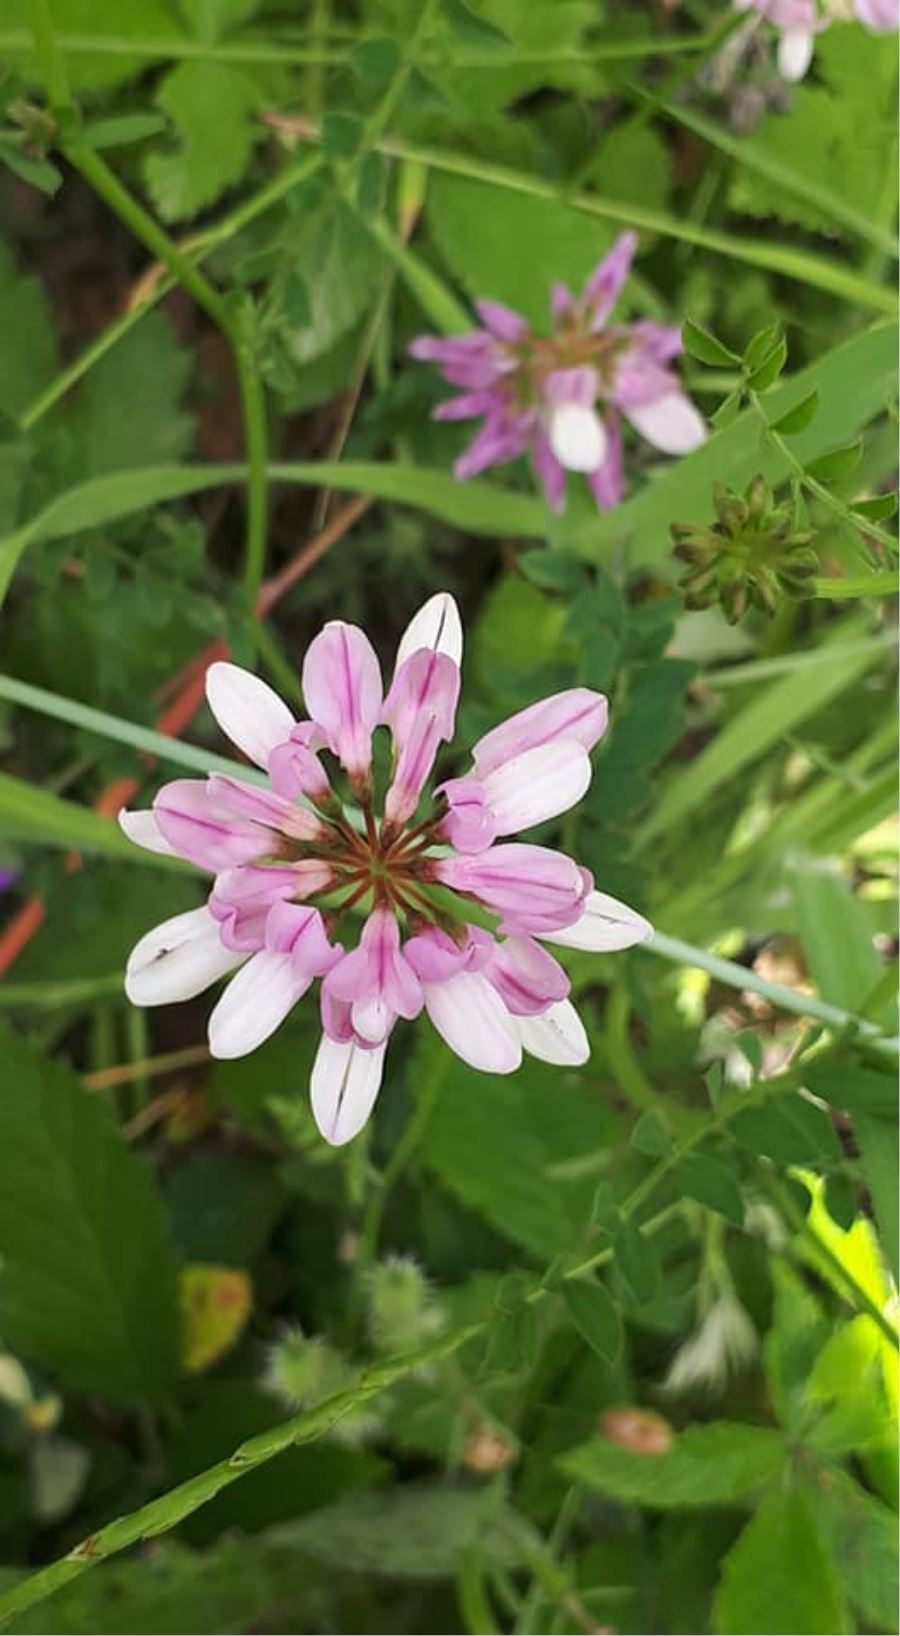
291	860
560	399
799	21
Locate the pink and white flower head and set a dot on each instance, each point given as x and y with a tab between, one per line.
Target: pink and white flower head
799	21
560	399
292	858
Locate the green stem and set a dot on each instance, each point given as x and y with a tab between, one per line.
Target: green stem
98	175
853	1291
852	519
400	1158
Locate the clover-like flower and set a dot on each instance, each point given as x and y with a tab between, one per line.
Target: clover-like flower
560	399
292	861
799	21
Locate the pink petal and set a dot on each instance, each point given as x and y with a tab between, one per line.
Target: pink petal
604	285
435	956
377	978
258	887
526	977
254	1004
468	825
532	887
197	827
671	424
345	1082
578	713
470	1015
557	1036
299	931
295	768
604	925
260	806
550	474
608	483
537	785
247	710
503	323
177	960
342	689
421	711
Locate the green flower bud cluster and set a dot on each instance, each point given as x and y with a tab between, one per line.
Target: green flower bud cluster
751	556
402	1312
303	1370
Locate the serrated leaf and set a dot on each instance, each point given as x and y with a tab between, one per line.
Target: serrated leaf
595	1316
494	1142
767	373
723	1463
698	343
799	417
838	463
87	1287
778	1576
860	1535
201	98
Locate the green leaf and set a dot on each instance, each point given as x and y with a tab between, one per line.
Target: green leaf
553	571
762	344
129	411
789	1128
87	1287
838	463
511	247
769	370
878	509
208	20
854	381
798	418
860	1536
416	1531
36	172
723	1463
753	731
201	98
127	22
472	29
29	345
476	508
877	1139
495	1141
637	1260
33	815
779	1576
708	1181
121	129
595	1316
698	343
837	933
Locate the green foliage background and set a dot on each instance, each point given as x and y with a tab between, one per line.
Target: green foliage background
221	223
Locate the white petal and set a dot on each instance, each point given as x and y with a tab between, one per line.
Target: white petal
141	827
671	424
177	960
577	436
247	710
470	1015
437	625
345	1082
536	785
557	1035
795	50
254	1004
605	925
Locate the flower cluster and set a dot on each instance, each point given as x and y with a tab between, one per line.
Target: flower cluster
561	399
799	21
291	861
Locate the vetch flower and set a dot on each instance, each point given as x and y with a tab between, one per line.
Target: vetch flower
294	863
560	399
799	21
